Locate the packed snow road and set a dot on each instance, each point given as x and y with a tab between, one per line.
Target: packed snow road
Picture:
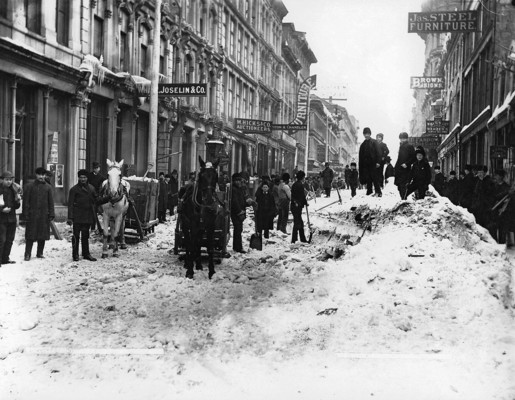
421	307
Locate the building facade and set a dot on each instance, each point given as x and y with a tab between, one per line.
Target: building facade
478	69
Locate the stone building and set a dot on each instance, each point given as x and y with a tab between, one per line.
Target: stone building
75	81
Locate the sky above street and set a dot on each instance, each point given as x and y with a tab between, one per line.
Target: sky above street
364	46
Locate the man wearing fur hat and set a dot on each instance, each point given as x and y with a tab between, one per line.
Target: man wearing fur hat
369	163
82	201
420	176
38	209
9	202
405	159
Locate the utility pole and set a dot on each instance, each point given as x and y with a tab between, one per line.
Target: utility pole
308	116
154	80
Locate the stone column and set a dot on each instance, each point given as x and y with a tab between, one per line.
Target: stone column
46	95
11	139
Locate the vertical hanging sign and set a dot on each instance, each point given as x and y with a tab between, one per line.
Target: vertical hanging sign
53	154
303	101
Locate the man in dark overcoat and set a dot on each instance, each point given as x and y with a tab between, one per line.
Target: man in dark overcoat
405	159
467	186
164	197
9	203
266	209
95	179
369	162
483	199
82	200
451	190
38	209
327	179
383	147
439	181
420	175
298	202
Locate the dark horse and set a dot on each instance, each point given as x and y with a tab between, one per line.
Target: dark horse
200	206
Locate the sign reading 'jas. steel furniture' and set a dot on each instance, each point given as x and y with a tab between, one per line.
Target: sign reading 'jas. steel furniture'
426	82
447	21
253	126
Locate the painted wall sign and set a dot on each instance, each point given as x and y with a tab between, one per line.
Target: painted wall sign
253	126
447	21
426	141
437	127
426	82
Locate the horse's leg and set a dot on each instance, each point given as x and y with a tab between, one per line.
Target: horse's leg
123	245
197	247
105	233
188	259
115	228
210	233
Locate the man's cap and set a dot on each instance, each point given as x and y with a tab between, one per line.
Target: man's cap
95	164
468	167
82	172
380	135
452	173
403	135
352	164
285	177
41	171
437	167
236	176
300	175
367	131
7	175
168	176
420	150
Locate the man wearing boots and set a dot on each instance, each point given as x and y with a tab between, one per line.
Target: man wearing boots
298	201
82	201
38	209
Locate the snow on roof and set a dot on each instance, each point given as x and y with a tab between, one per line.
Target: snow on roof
499	109
481	114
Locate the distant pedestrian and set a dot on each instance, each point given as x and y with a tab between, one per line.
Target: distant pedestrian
405	159
369	163
501	189
420	175
384	153
96	179
82	201
389	171
353	179
265	210
346	176
239	202
164	196
327	176
483	199
174	192
38	209
284	202
467	186
298	202
451	190
9	203
439	181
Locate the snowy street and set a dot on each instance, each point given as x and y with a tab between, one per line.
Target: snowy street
420	308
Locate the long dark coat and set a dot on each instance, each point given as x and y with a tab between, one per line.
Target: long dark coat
406	156
467	186
164	196
81	204
369	155
327	177
483	200
452	190
439	183
38	209
96	180
11	200
174	192
266	209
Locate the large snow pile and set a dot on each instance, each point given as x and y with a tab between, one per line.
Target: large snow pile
391	300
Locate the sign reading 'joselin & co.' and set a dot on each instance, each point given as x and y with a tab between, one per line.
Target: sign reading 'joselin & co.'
446	21
182	89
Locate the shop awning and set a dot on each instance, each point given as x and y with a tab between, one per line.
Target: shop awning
500	116
476	125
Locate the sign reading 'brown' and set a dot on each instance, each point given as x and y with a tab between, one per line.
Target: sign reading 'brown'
426	82
448	21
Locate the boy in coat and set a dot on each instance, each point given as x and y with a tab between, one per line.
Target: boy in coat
82	200
9	203
420	176
266	210
353	179
405	159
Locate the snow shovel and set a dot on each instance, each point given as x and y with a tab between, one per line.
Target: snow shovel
309	226
256	242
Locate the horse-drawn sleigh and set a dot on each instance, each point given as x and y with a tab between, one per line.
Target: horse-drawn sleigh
203	220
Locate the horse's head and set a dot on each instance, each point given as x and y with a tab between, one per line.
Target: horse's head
114	176
207	181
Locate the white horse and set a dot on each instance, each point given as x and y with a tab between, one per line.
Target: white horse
114	211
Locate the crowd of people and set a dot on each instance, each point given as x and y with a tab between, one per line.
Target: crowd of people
488	197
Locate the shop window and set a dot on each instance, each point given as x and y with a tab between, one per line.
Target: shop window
62	19
3	9
33	15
